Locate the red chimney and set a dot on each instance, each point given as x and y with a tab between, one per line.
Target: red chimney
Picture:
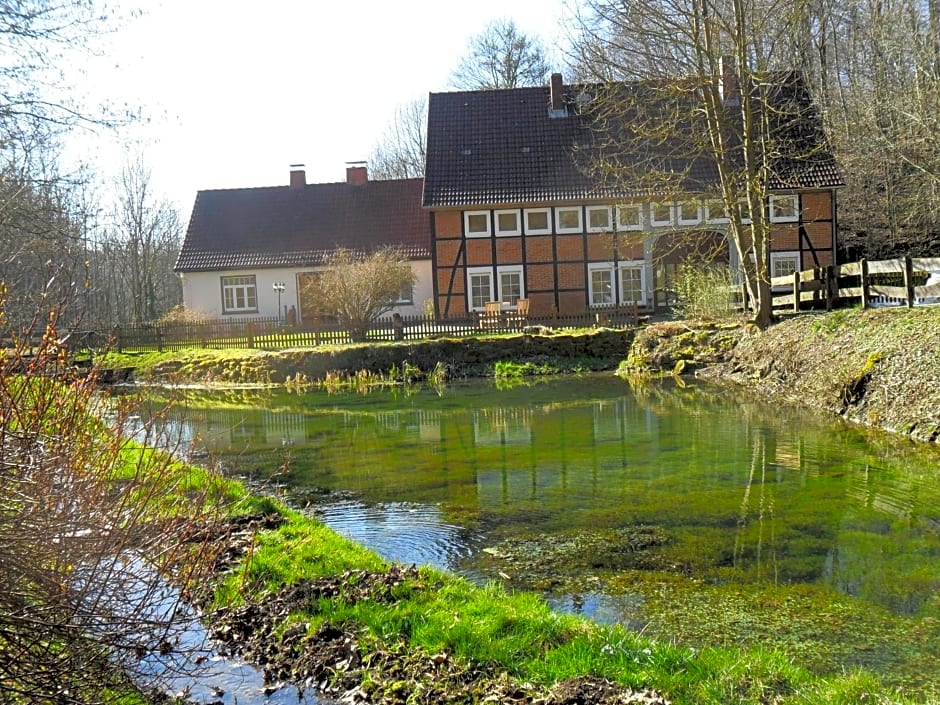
557	90
728	81
356	173
298	177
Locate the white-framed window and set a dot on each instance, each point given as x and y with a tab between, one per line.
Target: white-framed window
784	209
689	212
598	219
714	211
511	288
406	295
239	294
476	223
479	287
568	220
745	210
784	264
662	214
601	283
508	222
632	283
538	221
630	217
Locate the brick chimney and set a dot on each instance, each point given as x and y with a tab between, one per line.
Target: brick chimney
356	173
728	85
557	91
298	177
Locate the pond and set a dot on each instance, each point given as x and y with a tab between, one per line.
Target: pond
690	512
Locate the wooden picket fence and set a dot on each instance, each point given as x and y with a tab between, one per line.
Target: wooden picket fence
274	334
901	281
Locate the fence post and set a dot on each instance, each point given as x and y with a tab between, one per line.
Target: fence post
796	291
250	332
909	280
863	266
830	282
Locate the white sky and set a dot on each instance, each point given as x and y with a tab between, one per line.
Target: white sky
238	91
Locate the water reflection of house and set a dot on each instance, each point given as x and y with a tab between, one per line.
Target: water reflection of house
574	451
499	426
224	429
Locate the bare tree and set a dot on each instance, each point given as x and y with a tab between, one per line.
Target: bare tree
357	288
400	152
704	109
146	237
501	57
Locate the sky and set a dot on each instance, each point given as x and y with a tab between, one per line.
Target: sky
235	92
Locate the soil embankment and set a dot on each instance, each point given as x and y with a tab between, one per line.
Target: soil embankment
879	367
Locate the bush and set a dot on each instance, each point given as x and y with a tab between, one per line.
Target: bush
704	292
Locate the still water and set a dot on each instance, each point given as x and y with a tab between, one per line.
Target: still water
691	513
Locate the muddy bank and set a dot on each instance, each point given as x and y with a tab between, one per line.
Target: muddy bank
346	664
879	367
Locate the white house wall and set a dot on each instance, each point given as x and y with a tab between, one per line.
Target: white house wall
202	291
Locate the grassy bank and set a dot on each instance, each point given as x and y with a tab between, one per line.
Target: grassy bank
315	607
450	358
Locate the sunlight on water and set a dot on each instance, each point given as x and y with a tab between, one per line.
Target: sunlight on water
762	511
399	532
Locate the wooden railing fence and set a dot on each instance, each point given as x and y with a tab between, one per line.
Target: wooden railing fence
901	281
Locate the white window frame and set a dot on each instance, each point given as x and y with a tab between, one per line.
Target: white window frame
547	230
635	207
611	271
742	205
406	296
600	228
712	206
794	201
660	223
777	257
633	265
698	212
243	286
514	231
509	269
574	229
467	215
473	272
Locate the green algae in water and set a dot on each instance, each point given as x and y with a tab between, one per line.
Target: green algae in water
774	527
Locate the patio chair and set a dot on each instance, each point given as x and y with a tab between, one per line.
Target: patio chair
491	316
519	317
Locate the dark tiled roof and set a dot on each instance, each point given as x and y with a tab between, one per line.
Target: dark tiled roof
280	226
500	147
